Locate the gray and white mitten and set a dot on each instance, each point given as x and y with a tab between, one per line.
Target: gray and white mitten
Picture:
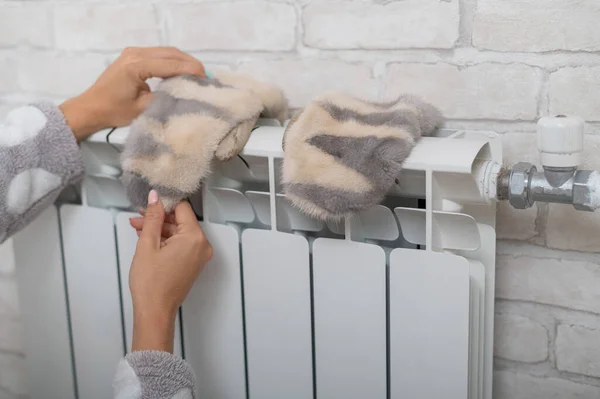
342	154
190	122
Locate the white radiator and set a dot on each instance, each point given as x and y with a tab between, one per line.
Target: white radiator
396	303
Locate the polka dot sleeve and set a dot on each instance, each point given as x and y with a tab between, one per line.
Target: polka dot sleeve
39	157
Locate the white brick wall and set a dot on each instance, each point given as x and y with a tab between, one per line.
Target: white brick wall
483	91
577	350
490	64
393	25
57	74
573	90
25	24
537	26
78	26
302	79
520	339
558	282
242	26
8	71
522	386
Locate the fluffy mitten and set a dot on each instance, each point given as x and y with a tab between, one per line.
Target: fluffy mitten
275	105
190	122
342	154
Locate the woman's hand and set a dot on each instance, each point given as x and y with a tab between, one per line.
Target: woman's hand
168	259
121	93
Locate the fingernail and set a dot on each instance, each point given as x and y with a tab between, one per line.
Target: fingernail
152	197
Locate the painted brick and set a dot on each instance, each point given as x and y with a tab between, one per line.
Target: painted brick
8	71
105	27
58	75
537	25
25	24
573	91
517	224
243	26
520	339
484	91
303	79
577	350
395	25
569	229
519	147
509	385
564	283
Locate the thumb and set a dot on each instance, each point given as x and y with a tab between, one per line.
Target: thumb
153	221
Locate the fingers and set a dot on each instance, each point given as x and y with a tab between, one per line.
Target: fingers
160	62
158	52
167	67
153	221
137	223
168	229
170	218
188	226
163	240
166	52
185	218
184	214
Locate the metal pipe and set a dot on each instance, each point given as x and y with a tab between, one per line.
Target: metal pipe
544	190
560	143
524	185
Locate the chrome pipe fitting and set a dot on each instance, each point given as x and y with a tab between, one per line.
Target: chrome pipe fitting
560	143
524	185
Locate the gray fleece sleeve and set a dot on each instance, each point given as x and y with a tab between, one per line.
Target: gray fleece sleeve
39	157
154	375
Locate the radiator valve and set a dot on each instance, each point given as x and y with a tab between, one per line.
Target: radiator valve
560	143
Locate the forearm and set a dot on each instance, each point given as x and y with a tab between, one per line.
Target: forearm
39	157
153	330
83	115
